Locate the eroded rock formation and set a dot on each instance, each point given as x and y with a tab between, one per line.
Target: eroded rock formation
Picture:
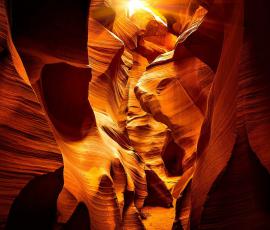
110	106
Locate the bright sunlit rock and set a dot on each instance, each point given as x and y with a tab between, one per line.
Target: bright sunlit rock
135	5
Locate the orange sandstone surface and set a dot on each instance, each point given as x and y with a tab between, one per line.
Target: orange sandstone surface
134	114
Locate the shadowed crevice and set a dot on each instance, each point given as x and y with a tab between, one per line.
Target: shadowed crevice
65	93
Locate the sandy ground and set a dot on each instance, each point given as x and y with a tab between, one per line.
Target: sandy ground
158	218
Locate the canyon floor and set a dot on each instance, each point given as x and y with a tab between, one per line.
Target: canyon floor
159	218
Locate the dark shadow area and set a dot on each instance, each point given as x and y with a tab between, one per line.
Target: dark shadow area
35	208
158	194
65	93
239	198
79	219
182	209
58	26
36	205
172	157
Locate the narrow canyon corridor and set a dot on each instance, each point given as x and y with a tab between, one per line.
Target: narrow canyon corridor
134	114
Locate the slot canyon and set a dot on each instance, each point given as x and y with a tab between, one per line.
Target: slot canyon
134	114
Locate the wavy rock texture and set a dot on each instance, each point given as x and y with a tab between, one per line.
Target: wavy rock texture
148	89
179	15
139	105
146	134
187	79
148	137
230	167
99	164
28	148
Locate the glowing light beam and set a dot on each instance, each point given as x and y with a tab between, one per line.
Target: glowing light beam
135	5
